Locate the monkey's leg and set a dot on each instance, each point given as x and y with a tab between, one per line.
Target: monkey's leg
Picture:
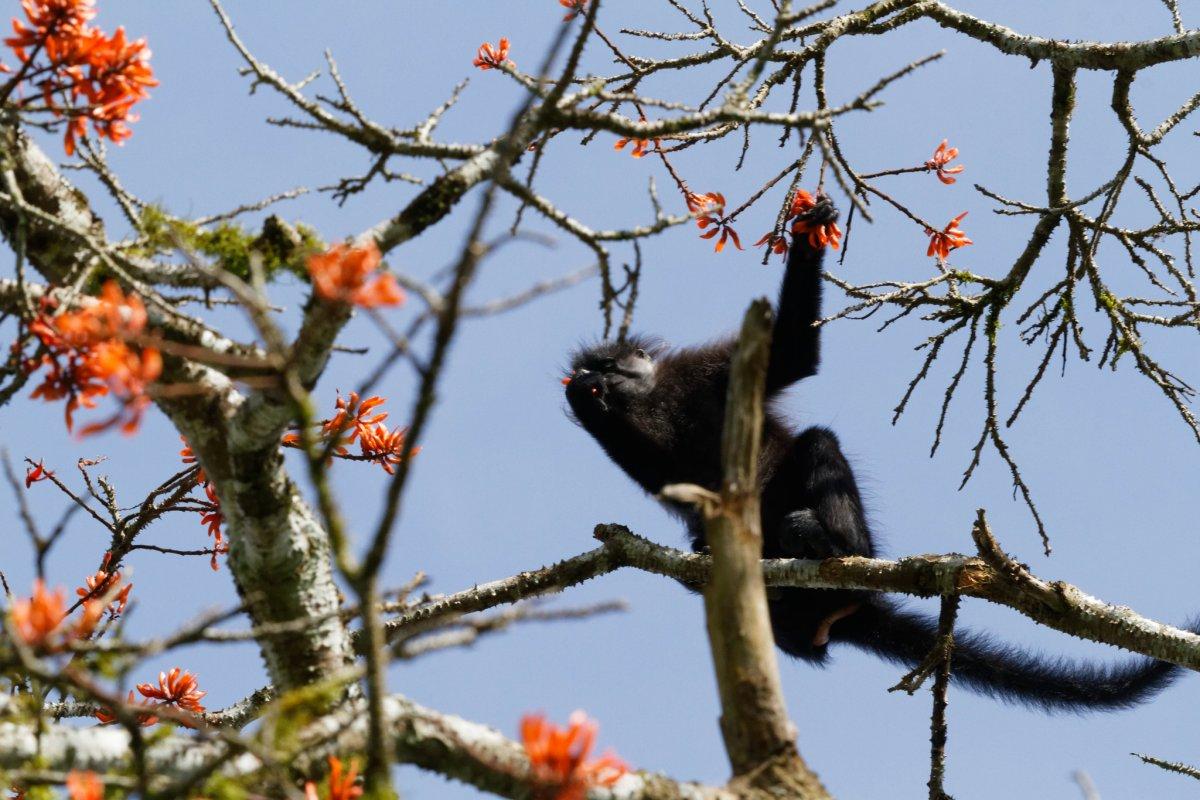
815	487
802	535
823	519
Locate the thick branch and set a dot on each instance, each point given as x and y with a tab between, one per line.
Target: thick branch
1056	604
278	550
754	717
43	188
1069	54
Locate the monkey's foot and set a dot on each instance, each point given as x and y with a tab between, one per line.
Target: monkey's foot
802	535
821	637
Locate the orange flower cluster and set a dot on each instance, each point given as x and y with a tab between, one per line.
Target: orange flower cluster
777	242
84	786
105	584
86	355
177	688
342	786
340	275
941	157
818	234
211	517
710	208
37	472
357	421
83	74
39	619
947	239
559	756
575	7
106	716
488	57
639	146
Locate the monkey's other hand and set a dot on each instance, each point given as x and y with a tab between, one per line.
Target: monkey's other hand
823	213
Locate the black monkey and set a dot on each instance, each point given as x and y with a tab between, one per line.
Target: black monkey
659	414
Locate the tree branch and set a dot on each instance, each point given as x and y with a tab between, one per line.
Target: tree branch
759	738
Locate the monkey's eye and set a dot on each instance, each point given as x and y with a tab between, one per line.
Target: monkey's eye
640	353
608	364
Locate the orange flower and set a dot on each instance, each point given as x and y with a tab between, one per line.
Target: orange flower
383	291
105	716
103	583
36	473
802	203
118	77
92	611
341	786
187	456
86	356
947	239
383	447
84	74
704	203
351	417
639	146
128	374
726	232
175	688
777	242
489	57
84	786
941	157
340	274
819	234
711	208
358	421
559	756
212	518
112	315
59	19
39	620
575	7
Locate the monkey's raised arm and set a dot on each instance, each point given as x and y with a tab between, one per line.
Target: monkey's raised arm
795	343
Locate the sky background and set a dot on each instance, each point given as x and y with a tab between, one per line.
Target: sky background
506	482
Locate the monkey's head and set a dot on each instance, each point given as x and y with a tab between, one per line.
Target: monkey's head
608	377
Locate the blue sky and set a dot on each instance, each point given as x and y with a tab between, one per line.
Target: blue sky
506	482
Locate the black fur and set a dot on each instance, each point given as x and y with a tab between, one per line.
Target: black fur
658	414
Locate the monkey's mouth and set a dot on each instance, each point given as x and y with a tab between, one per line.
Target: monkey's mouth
588	387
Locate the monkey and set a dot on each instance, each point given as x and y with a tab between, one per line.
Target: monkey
658	414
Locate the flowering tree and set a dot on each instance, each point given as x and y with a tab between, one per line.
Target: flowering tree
107	329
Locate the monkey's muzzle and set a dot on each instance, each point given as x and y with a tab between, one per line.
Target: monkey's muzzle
585	386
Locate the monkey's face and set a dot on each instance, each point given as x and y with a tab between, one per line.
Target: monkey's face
607	378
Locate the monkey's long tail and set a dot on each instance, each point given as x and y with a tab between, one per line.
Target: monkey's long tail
1003	671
